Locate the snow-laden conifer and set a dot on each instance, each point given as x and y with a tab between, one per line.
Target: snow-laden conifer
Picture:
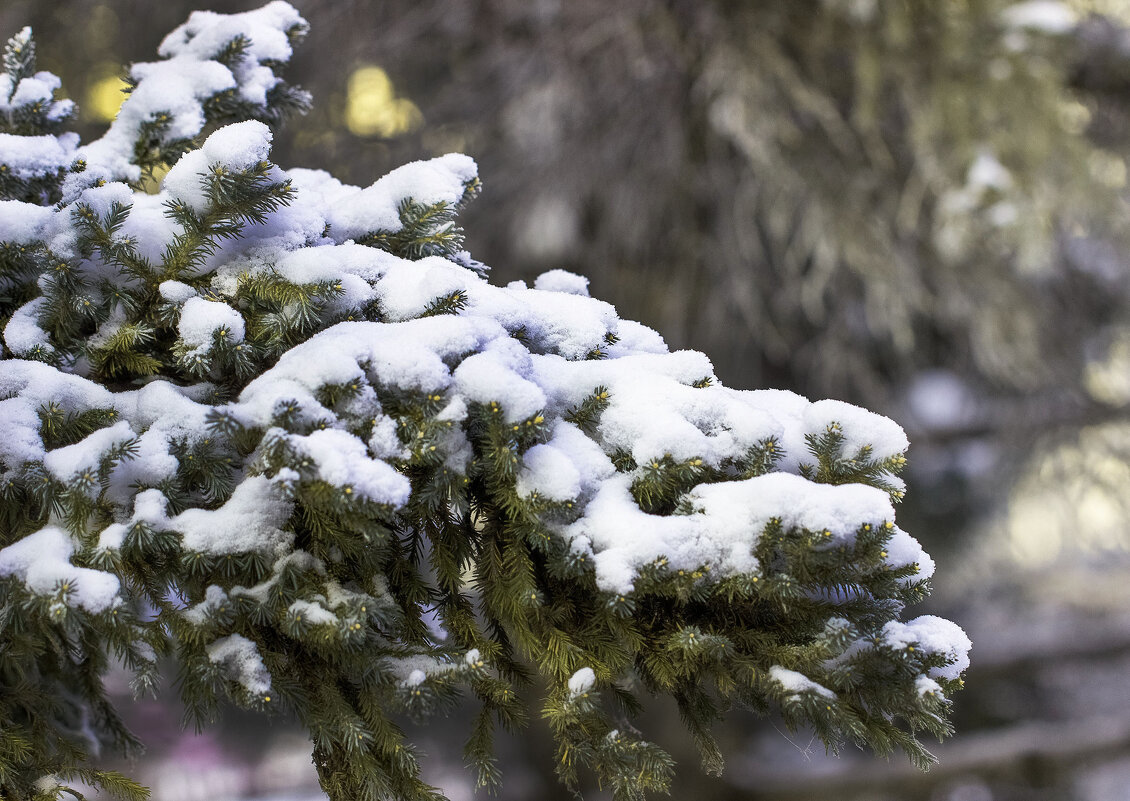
287	432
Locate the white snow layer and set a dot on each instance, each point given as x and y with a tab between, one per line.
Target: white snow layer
528	350
725	527
563	281
233	148
240	662
200	319
795	683
34	89
250	520
176	88
22	333
36	156
932	635
353	212
22	223
42	562
582	681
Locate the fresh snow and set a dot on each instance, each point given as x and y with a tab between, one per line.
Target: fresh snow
468	358
201	319
723	530
353	212
82	459
41	560
35	156
250	520
529	353
582	681
341	460
206	33
860	428
23	223
22	334
563	281
178	86
932	635
38	88
567	465
795	683
175	291
313	613
239	659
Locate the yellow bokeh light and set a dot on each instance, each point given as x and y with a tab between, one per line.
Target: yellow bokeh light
104	97
373	109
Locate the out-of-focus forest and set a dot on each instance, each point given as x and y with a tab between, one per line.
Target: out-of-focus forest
920	207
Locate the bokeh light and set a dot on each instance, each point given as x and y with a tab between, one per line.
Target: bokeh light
373	109
104	97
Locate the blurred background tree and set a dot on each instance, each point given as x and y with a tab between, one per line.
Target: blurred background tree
915	206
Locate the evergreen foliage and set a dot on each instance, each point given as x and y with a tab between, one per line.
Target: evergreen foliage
284	431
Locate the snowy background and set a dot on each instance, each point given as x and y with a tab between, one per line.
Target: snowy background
620	144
